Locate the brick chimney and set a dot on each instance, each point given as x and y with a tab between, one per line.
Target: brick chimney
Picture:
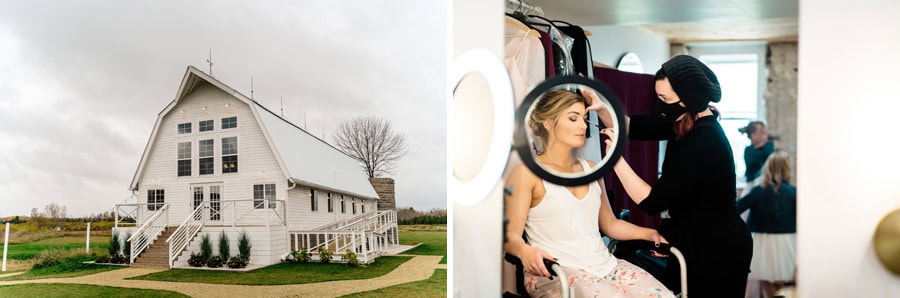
385	189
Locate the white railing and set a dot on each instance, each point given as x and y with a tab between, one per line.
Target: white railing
247	212
141	238
186	231
132	214
337	225
370	236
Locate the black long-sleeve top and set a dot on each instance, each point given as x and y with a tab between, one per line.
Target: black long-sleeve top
770	211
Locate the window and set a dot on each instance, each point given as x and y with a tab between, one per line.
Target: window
230	122
206	125
262	193
198	199
206	157
184	128
155	199
330	204
354	205
229	155
313	202
343	206
738	76
364	208
184	159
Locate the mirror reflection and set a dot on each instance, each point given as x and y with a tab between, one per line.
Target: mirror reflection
558	135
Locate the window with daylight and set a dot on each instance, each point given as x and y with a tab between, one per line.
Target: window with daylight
184	128
313	202
738	76
330	204
206	157
343	205
263	193
353	202
230	122
229	155
155	199
206	125
184	159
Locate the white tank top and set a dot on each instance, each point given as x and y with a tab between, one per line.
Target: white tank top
568	228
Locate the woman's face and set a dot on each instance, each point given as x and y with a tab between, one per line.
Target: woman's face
666	93
570	126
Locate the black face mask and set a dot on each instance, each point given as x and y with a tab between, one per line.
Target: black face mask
668	111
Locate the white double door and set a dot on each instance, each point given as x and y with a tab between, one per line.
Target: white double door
210	193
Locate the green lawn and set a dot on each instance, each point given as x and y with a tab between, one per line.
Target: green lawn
68	267
281	274
24	251
436	286
77	290
434	243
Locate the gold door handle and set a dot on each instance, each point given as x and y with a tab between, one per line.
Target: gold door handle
887	241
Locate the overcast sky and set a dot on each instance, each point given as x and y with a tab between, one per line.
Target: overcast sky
82	82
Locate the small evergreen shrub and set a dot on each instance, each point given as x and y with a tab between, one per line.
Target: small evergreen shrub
114	245
205	246
224	246
126	249
244	246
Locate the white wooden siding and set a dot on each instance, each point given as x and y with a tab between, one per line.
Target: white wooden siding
269	244
256	161
301	216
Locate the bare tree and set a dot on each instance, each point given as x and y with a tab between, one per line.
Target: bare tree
371	141
56	213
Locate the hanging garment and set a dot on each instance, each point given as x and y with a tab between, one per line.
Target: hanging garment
524	59
636	93
548	54
580	54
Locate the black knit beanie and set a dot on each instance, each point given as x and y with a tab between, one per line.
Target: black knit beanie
693	82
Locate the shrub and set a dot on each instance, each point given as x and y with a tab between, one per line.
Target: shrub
324	255
350	258
205	246
103	260
215	262
114	245
197	260
237	262
126	249
244	246
300	256
224	247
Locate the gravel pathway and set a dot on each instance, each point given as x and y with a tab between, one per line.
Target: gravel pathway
416	269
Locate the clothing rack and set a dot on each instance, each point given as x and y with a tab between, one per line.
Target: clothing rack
520	6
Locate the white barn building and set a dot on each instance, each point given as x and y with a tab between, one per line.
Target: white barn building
219	161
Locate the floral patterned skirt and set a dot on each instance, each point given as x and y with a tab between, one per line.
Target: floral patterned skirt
626	280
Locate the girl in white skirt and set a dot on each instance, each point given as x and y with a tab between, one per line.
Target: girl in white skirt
773	224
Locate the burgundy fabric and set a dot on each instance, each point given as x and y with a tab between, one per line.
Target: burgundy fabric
636	92
548	50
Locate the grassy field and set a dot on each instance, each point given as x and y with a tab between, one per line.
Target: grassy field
281	274
436	286
434	243
77	290
25	251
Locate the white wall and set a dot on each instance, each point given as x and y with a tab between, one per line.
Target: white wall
256	161
847	159
301	216
610	43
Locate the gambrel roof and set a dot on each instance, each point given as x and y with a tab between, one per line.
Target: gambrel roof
304	158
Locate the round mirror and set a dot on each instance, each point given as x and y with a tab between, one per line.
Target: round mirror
552	131
630	63
480	116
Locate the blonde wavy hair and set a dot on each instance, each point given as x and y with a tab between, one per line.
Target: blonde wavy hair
550	107
776	170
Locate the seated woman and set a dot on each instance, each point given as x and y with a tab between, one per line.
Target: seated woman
564	223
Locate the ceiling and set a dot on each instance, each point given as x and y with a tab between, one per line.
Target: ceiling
685	20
